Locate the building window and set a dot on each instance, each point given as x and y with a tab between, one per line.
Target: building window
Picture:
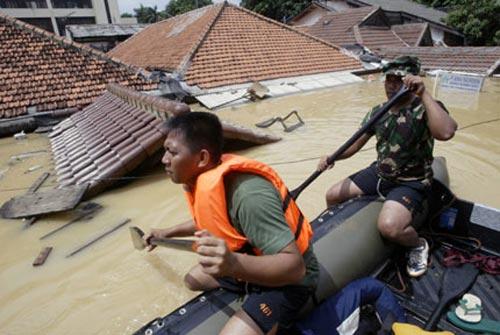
62	22
23	4
40	22
71	3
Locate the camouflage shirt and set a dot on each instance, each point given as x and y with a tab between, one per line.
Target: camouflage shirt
404	143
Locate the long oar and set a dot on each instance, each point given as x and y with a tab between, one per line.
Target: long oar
332	158
454	283
137	239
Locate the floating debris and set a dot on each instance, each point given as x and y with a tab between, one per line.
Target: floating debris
268	123
42	256
33	168
86	212
20	157
20	136
32	204
121	224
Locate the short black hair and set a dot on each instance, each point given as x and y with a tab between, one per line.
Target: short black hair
201	130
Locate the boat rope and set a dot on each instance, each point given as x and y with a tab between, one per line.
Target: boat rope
153	175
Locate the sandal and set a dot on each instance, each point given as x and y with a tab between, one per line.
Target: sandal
483	326
469	308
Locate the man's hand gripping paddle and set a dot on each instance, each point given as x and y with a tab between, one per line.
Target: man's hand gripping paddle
332	158
180	244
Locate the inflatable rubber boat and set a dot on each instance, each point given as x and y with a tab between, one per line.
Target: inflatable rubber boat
348	246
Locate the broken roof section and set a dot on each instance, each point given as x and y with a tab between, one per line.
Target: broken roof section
43	72
117	134
222	45
482	60
104	30
367	26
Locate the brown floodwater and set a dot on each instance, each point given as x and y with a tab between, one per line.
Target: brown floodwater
110	288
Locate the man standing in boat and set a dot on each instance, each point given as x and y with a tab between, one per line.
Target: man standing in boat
402	174
252	236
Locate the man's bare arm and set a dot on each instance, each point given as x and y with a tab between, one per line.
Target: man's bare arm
354	148
284	268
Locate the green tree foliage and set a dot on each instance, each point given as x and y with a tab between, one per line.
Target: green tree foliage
280	10
126	15
176	7
478	20
146	14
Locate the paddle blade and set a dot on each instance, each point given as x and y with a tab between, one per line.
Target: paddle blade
136	235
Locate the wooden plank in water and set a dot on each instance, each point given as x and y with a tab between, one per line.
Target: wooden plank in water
42	256
121	224
32	204
86	213
36	185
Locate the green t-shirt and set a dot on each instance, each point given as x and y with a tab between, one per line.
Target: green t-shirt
404	143
255	210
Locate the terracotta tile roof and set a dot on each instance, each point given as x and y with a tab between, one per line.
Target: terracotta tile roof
337	28
411	33
230	45
375	37
364	25
46	72
484	60
354	26
165	45
110	138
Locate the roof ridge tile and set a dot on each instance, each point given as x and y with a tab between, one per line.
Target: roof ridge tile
184	65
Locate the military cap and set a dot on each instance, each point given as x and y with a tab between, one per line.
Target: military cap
402	65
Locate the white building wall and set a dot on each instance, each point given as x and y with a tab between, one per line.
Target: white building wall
98	12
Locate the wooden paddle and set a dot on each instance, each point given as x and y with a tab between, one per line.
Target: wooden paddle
180	244
332	158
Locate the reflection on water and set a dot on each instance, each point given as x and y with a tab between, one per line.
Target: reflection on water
109	288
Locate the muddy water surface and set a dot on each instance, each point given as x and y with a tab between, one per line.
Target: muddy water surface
109	288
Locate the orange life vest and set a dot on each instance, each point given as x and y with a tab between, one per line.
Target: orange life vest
207	203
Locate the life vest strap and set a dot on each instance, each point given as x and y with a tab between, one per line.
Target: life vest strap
286	201
299	226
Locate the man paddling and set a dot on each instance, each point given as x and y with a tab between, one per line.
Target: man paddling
252	236
402	174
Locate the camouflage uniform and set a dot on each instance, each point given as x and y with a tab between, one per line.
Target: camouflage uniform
404	144
403	170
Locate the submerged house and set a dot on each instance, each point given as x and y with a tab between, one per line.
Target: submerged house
223	49
480	60
368	27
42	72
406	11
396	12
